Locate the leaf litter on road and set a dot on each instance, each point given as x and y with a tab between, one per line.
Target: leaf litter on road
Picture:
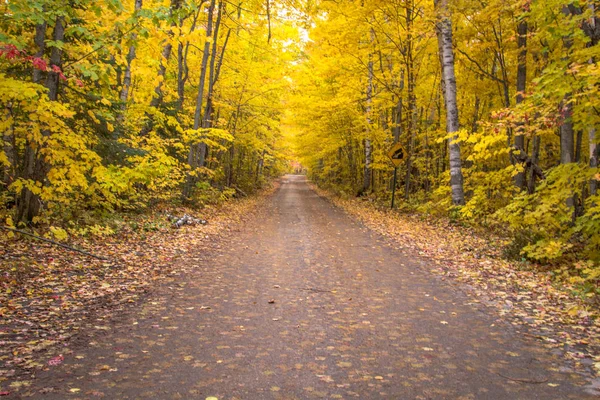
529	298
49	295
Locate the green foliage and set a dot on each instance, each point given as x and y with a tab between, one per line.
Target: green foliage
207	194
107	145
548	214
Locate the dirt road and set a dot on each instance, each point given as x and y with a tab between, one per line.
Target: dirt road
303	303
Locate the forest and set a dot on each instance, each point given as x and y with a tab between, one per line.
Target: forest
495	104
121	105
117	106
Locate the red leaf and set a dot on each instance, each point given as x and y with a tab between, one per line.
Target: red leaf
39	63
10	51
56	360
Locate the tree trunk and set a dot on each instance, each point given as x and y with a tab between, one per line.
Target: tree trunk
445	27
259	167
535	155
35	167
412	100
166	54
157	98
124	95
207	118
578	141
594	155
521	86
368	149
182	66
194	148
592	29
40	42
130	57
567	145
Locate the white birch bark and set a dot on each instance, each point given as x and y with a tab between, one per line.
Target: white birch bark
445	29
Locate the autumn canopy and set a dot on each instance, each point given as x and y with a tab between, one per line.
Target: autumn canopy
119	105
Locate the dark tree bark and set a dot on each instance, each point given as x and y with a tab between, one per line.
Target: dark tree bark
40	42
166	54
522	30
567	145
130	57
124	95
193	155
367	171
157	98
212	76
578	140
535	155
412	99
182	66
594	156
35	167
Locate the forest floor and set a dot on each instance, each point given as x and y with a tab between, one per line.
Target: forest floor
49	295
304	300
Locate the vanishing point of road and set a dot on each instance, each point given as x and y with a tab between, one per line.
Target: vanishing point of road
303	302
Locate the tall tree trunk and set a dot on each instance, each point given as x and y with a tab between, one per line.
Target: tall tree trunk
578	141
594	156
412	100
182	66
35	166
124	95
522	29
166	54
40	42
445	27
567	145
207	118
259	167
367	175
592	29
157	98
535	155
130	57
193	159
10	151
397	111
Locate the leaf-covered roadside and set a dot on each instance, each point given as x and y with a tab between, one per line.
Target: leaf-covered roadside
530	298
48	295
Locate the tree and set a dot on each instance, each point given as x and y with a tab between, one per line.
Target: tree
444	26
